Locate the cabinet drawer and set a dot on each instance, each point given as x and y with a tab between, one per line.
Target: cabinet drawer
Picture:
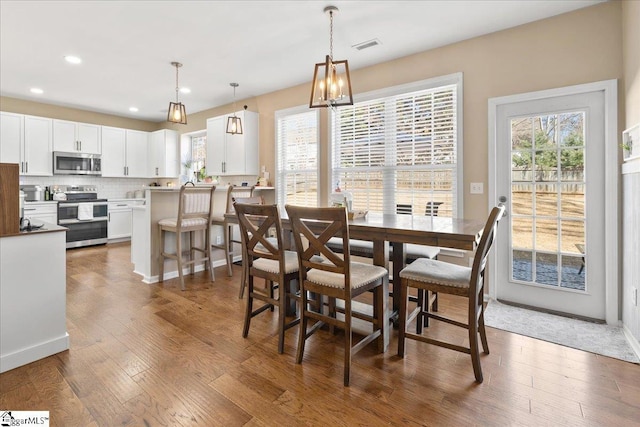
40	208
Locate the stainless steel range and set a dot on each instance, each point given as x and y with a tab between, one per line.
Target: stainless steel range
84	215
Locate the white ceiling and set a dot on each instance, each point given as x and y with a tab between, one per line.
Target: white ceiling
127	46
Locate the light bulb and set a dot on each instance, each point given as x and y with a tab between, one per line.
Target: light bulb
176	114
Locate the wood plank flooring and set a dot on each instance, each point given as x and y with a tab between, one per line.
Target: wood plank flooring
153	355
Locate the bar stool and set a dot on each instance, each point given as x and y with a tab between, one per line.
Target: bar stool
227	226
194	214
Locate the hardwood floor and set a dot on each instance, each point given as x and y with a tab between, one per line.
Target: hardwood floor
152	355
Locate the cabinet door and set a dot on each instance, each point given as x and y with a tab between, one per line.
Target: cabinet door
119	224
89	138
113	152
137	149
64	136
215	145
251	123
235	154
156	153
11	137
37	146
171	164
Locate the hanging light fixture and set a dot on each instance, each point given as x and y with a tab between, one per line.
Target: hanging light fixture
234	123
331	85
177	112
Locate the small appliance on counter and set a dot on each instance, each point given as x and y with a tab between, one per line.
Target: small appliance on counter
32	193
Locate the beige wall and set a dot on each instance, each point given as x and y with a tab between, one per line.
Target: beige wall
631	60
21	106
578	47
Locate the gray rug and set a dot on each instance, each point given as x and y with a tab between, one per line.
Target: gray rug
596	338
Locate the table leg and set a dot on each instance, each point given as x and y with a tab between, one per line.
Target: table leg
399	260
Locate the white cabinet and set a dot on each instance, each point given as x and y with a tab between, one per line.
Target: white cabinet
163	154
36	153
26	140
124	153
76	137
137	149
229	154
11	137
120	218
41	212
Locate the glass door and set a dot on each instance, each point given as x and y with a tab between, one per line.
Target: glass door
550	169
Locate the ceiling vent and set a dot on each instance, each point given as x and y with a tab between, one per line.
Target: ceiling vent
367	44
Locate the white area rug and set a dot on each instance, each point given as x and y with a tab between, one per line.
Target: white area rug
593	337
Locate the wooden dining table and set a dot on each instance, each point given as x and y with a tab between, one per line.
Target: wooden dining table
397	230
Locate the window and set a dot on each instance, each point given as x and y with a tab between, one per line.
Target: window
297	157
401	146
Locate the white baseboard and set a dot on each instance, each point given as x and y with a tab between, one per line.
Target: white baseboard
185	271
633	342
33	353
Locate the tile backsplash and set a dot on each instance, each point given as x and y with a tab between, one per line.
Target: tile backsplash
117	188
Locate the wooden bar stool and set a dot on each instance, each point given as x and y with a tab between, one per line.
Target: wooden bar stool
194	214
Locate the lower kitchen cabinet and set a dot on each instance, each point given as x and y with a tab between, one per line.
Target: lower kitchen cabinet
120	219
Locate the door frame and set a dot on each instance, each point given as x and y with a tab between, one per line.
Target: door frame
611	212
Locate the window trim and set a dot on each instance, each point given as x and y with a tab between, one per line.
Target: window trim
449	79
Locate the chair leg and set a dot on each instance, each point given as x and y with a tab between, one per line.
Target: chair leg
161	263
243	280
423	306
474	350
179	258
381	324
228	247
192	254
483	332
271	285
303	326
347	342
402	317
207	240
282	300
247	315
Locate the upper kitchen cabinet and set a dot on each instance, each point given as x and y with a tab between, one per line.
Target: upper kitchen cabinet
229	154
11	137
76	137
124	153
163	154
26	140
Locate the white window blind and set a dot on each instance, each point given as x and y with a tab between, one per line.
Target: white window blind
297	157
399	150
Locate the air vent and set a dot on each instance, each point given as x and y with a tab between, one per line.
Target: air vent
367	44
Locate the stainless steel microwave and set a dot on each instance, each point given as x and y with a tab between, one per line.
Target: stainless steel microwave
76	163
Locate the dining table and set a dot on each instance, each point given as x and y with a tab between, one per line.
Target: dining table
398	230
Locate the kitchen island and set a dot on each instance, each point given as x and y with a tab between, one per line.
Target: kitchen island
32	296
160	203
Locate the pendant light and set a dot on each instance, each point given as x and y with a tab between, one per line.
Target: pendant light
234	123
331	85
177	113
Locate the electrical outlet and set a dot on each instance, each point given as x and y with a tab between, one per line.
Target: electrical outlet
218	240
477	188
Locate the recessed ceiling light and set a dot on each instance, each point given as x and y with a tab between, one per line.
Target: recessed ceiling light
185	90
367	44
36	90
72	59
133	109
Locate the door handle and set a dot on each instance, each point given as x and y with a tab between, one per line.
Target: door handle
501	202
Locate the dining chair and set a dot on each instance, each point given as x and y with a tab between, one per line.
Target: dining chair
220	219
426	300
254	200
195	205
333	277
264	258
442	277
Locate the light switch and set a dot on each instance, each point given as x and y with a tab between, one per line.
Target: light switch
477	188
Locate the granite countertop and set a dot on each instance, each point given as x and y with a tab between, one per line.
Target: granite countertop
39	202
124	199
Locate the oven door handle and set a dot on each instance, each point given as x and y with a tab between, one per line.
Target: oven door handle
77	221
75	205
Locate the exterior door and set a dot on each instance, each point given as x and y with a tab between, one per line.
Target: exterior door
550	159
